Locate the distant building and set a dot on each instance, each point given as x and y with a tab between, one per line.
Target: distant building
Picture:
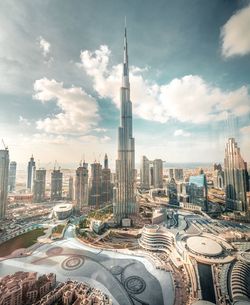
81	186
172	192
145	173
218	179
217	167
182	192
236	178
25	288
31	171
12	176
56	184
158	173
71	189
106	182
4	176
95	185
197	191
39	185
178	174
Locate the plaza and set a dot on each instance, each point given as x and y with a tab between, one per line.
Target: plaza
126	278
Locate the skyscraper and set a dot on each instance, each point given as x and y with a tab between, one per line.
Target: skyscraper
95	185
12	176
197	191
81	186
236	177
124	202
39	185
145	173
31	171
56	184
158	173
71	188
4	173
106	182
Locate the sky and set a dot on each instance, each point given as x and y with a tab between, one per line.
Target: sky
60	78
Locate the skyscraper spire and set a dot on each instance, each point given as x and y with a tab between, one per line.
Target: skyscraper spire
125	74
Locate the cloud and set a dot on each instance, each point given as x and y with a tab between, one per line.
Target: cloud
44	46
186	99
94	139
182	133
235	34
245	130
79	111
24	121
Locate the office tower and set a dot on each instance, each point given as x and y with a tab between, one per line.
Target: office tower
31	171
158	173
95	185
197	191
12	176
4	175
56	184
106	182
81	186
39	185
236	178
170	173
218	179
182	192
172	192
124	203
71	188
145	173
151	174
178	174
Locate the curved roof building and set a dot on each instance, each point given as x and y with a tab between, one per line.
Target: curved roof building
63	210
240	283
153	238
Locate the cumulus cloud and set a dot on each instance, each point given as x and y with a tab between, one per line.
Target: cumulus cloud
181	133
187	99
79	111
235	34
44	46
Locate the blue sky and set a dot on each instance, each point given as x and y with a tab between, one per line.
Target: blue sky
60	73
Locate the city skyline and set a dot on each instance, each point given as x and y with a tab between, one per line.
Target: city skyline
71	98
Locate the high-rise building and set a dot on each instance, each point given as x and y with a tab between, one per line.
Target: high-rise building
31	171
71	188
39	185
95	185
218	179
81	186
172	192
124	202
106	182
197	191
158	173
12	177
145	173
178	174
56	184
4	175
236	178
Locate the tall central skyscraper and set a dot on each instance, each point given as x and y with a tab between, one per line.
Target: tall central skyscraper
124	203
4	173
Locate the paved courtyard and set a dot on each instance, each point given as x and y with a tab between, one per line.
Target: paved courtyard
127	279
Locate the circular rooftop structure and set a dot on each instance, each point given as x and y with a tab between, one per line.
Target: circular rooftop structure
204	246
63	210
